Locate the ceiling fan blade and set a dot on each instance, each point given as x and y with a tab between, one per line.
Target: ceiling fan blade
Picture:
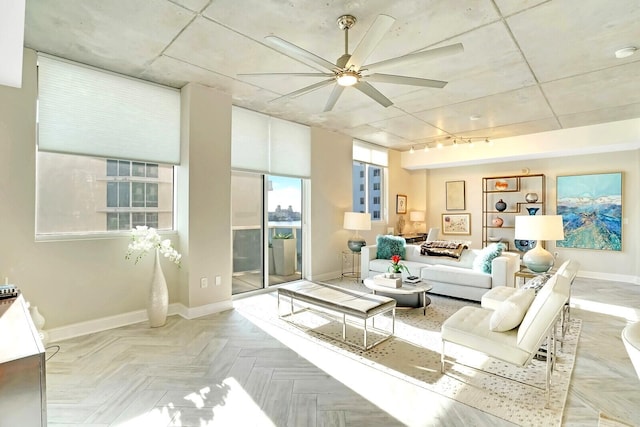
306	89
438	52
373	93
289	74
295	52
374	34
333	98
402	80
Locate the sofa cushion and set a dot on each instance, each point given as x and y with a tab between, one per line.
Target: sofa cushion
459	276
389	246
486	255
511	311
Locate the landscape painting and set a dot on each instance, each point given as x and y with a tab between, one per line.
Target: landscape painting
591	209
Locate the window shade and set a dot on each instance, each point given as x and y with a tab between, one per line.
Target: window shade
266	144
369	153
90	112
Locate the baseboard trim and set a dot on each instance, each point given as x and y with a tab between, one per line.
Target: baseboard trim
635	280
110	322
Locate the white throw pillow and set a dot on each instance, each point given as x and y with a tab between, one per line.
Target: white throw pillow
511	311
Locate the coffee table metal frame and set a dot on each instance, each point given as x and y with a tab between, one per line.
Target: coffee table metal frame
406	289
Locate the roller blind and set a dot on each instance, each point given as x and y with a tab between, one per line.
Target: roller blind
369	153
267	144
91	112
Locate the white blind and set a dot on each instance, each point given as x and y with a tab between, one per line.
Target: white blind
96	113
369	153
249	140
267	144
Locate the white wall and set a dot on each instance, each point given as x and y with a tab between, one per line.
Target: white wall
624	265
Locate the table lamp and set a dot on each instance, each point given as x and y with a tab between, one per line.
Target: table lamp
416	217
356	221
539	227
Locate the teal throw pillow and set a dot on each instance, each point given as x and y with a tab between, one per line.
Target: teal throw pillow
389	246
486	255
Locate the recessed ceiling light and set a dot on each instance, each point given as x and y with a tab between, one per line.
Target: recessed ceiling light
474	117
625	52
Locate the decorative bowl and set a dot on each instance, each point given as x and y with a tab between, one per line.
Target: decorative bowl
501	185
494	238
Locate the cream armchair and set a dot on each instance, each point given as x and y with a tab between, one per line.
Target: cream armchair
471	327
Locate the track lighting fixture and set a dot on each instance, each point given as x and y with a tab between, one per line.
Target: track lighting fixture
412	150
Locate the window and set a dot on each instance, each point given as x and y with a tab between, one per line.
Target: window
80	194
367	194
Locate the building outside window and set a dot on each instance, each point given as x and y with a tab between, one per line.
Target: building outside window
81	194
367	189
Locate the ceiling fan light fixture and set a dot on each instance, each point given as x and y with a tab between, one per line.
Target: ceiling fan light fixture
347	78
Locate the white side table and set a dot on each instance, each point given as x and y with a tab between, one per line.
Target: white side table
406	289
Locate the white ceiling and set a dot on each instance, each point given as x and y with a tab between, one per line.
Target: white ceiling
528	65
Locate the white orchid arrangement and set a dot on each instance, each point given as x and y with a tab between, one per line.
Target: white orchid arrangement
145	239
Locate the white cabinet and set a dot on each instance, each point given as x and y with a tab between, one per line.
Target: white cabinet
22	367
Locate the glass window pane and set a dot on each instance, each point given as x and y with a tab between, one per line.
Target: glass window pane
75	194
124	197
112	194
124	221
124	168
112	168
112	221
152	219
137	195
138	218
152	195
137	169
152	170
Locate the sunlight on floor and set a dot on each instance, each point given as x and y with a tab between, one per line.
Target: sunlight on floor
235	408
629	313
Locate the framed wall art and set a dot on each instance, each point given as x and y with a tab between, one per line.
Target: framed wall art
455	196
591	210
456	223
401	204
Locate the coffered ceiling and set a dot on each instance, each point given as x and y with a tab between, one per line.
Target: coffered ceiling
528	65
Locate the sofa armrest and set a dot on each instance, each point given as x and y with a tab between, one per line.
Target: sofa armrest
504	268
367	253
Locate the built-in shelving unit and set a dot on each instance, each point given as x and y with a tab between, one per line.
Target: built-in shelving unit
511	189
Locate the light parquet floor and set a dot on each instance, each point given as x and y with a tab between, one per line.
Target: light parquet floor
223	370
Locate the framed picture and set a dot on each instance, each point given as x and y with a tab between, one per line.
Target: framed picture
591	210
456	223
401	204
455	195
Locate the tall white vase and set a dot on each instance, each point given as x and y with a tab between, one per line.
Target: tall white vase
158	302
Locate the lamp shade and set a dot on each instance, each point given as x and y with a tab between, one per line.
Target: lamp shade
416	216
357	221
539	227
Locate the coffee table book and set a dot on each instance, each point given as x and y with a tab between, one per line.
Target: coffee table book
388	282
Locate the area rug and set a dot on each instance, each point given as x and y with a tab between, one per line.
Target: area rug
413	354
606	420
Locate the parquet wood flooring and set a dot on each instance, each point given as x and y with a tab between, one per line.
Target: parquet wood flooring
223	370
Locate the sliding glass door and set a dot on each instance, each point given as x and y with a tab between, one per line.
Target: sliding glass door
267	230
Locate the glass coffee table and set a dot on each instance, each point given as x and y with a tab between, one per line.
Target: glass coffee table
406	289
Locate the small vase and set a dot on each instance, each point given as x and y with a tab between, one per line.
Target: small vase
38	319
501	205
158	302
533	211
531	197
497	222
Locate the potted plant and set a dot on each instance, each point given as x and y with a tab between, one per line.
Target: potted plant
284	253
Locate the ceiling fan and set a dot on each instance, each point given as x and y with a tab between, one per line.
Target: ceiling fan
350	69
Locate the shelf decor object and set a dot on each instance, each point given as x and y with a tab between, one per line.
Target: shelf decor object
505	197
356	221
540	228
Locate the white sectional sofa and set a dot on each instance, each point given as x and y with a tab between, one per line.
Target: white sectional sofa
456	278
